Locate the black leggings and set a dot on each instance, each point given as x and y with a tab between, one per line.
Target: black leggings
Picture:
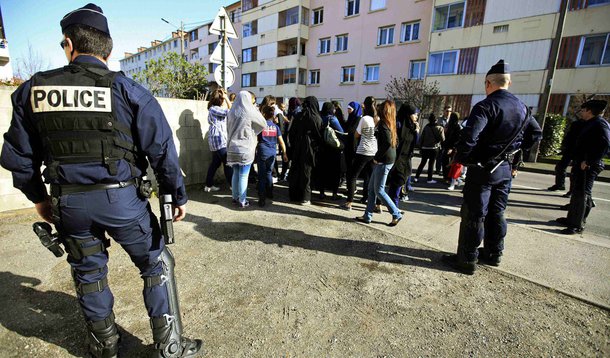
360	162
427	154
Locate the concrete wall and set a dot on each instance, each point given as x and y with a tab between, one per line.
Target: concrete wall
189	124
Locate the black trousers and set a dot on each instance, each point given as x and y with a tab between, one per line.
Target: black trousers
581	200
427	155
560	171
360	163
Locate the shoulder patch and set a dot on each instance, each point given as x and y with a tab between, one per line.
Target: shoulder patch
70	99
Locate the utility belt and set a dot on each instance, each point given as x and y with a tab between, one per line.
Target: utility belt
492	165
144	187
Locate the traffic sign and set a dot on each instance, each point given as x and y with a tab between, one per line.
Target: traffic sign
229	76
217	26
230	58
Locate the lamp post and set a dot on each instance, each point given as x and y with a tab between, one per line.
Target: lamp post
181	29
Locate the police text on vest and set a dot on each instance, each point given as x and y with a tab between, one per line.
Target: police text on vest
70	98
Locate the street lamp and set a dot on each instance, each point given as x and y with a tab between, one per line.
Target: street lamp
181	29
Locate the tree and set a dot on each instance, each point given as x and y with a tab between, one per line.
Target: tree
30	64
174	76
418	93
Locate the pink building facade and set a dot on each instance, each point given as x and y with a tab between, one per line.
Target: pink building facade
356	46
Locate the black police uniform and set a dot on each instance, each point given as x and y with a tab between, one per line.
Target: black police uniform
484	145
566	158
590	147
95	131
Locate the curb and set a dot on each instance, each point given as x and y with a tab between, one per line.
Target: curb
604	179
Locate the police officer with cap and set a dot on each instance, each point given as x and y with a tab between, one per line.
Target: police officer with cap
590	147
96	131
497	127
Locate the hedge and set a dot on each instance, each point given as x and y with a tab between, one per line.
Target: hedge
552	134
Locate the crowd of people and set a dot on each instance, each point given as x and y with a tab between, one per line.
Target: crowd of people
321	149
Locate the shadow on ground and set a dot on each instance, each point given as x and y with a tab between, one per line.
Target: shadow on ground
51	316
239	231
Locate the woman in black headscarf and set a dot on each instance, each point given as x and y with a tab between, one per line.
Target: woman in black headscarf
406	128
327	171
305	139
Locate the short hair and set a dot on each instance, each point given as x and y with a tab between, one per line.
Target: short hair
267	111
89	41
499	79
216	98
448	108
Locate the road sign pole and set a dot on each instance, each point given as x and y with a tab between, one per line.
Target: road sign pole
223	49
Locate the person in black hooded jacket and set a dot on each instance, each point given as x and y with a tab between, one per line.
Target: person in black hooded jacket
406	120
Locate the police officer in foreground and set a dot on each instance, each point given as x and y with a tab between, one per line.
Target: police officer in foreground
590	147
94	130
497	127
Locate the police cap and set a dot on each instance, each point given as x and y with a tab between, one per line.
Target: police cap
596	105
90	15
499	68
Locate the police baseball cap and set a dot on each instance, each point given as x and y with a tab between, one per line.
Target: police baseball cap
501	68
597	105
90	15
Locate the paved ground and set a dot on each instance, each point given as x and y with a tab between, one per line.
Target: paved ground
293	280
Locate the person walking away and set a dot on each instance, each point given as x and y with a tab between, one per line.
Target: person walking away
266	151
590	148
305	139
406	132
497	127
365	152
567	148
432	137
383	162
95	152
218	108
244	123
328	165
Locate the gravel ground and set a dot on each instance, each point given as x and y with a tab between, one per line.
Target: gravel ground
296	281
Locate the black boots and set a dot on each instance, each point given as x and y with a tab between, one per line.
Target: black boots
488	258
170	344
103	338
464	267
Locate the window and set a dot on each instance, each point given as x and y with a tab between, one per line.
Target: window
352	7
317	16
348	74
595	50
314	77
324	46
443	63
371	73
250	28
409	32
385	36
193	35
417	70
248	80
341	43
286	76
288	17
249	4
211	47
377	5
249	54
175	43
212	67
448	16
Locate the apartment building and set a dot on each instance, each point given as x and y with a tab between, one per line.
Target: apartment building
468	37
6	68
357	46
201	44
275	34
133	63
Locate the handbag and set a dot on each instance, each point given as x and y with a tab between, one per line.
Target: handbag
455	171
330	138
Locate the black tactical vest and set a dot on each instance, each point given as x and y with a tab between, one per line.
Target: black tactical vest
75	115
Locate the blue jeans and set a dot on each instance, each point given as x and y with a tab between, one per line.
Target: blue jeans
265	175
377	190
218	157
240	182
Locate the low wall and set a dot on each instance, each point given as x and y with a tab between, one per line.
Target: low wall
187	119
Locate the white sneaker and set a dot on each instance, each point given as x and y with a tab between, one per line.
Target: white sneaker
415	180
431	181
208	189
405	199
451	187
274	180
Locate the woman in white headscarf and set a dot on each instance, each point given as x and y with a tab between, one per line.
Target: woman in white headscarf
244	123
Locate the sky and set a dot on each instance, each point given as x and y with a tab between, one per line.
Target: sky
132	23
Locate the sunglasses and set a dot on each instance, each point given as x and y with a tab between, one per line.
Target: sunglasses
63	44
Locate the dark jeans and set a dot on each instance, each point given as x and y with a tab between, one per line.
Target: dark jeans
265	175
581	201
359	164
219	157
482	213
560	171
427	155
